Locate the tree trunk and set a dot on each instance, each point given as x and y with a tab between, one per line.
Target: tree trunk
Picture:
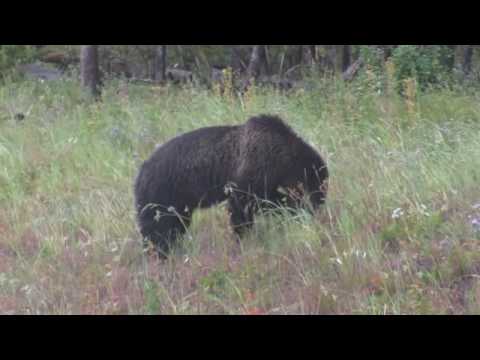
463	58
181	57
282	62
341	57
307	55
160	63
313	52
89	69
338	58
237	62
387	50
326	56
256	60
450	61
265	59
467	60
347	57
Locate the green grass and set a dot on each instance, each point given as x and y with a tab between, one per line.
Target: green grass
395	237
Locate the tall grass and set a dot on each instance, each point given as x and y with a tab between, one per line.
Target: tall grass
398	234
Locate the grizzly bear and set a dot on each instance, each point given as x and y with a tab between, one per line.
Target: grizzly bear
260	164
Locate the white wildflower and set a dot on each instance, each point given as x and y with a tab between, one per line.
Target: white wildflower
397	213
27	289
476	224
337	260
423	210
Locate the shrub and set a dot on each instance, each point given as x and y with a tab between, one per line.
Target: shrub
427	64
12	55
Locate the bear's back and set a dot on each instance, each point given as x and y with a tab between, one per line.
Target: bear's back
269	123
194	165
191	142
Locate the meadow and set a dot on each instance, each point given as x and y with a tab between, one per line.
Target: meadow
399	234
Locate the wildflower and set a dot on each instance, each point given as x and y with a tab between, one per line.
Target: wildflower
360	254
114	248
27	289
337	260
476	224
254	311
397	213
423	210
115	132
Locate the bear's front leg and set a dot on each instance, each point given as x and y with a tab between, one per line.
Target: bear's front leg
163	231
241	208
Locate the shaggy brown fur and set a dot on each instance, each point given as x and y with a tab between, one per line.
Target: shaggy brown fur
245	164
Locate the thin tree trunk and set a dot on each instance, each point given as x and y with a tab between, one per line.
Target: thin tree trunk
463	58
89	69
253	70
313	52
257	59
282	60
347	57
160	63
307	54
338	58
467	60
237	63
266	59
326	57
181	57
387	50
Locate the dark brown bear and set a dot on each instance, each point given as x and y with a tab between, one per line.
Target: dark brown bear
255	165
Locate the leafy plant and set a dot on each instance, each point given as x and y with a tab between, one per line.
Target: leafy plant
12	55
426	63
